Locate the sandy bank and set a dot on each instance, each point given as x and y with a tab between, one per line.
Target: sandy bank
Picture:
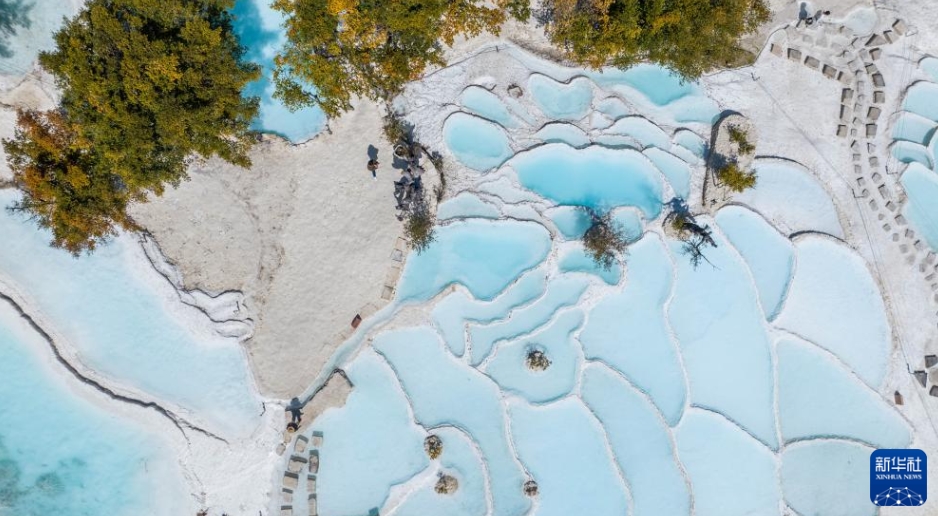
307	234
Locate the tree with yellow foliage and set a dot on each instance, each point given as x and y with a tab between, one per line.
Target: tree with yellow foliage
687	36
147	86
367	48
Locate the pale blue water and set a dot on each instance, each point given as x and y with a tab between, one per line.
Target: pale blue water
594	177
661	390
560	132
920	99
33	24
810	488
466	205
658	84
834	303
769	255
716	318
63	454
560	101
640	439
442	391
731	473
643	131
563	291
578	260
556	341
109	311
820	397
481	255
460	460
930	65
392	449
486	104
571	221
921	186
562	446
476	143
792	199
908	152
674	169
693	143
630	223
627	330
452	313
913	128
260	30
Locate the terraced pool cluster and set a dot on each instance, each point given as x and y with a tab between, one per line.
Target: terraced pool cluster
669	387
915	144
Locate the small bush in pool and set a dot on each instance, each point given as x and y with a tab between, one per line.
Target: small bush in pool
604	239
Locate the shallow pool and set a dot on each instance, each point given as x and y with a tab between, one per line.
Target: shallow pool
476	142
595	177
260	29
61	453
125	321
483	256
921	186
559	101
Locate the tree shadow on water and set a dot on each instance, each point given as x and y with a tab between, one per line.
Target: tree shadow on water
14	14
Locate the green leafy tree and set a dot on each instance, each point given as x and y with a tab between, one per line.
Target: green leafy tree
687	36
735	178
368	48
147	86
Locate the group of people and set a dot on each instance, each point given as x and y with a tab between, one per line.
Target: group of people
409	188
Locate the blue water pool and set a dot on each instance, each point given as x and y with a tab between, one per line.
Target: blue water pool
118	317
641	440
658	84
769	255
834	302
392	451
443	392
819	397
476	142
260	29
921	186
920	99
913	128
487	104
720	459
627	330
452	314
556	341
809	488
594	177
642	130
561	101
483	256
909	152
562	445
560	132
466	205
61	453
577	259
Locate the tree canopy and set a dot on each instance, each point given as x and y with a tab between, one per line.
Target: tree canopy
687	36
147	86
368	48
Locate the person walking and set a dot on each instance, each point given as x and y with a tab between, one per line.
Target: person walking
373	167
